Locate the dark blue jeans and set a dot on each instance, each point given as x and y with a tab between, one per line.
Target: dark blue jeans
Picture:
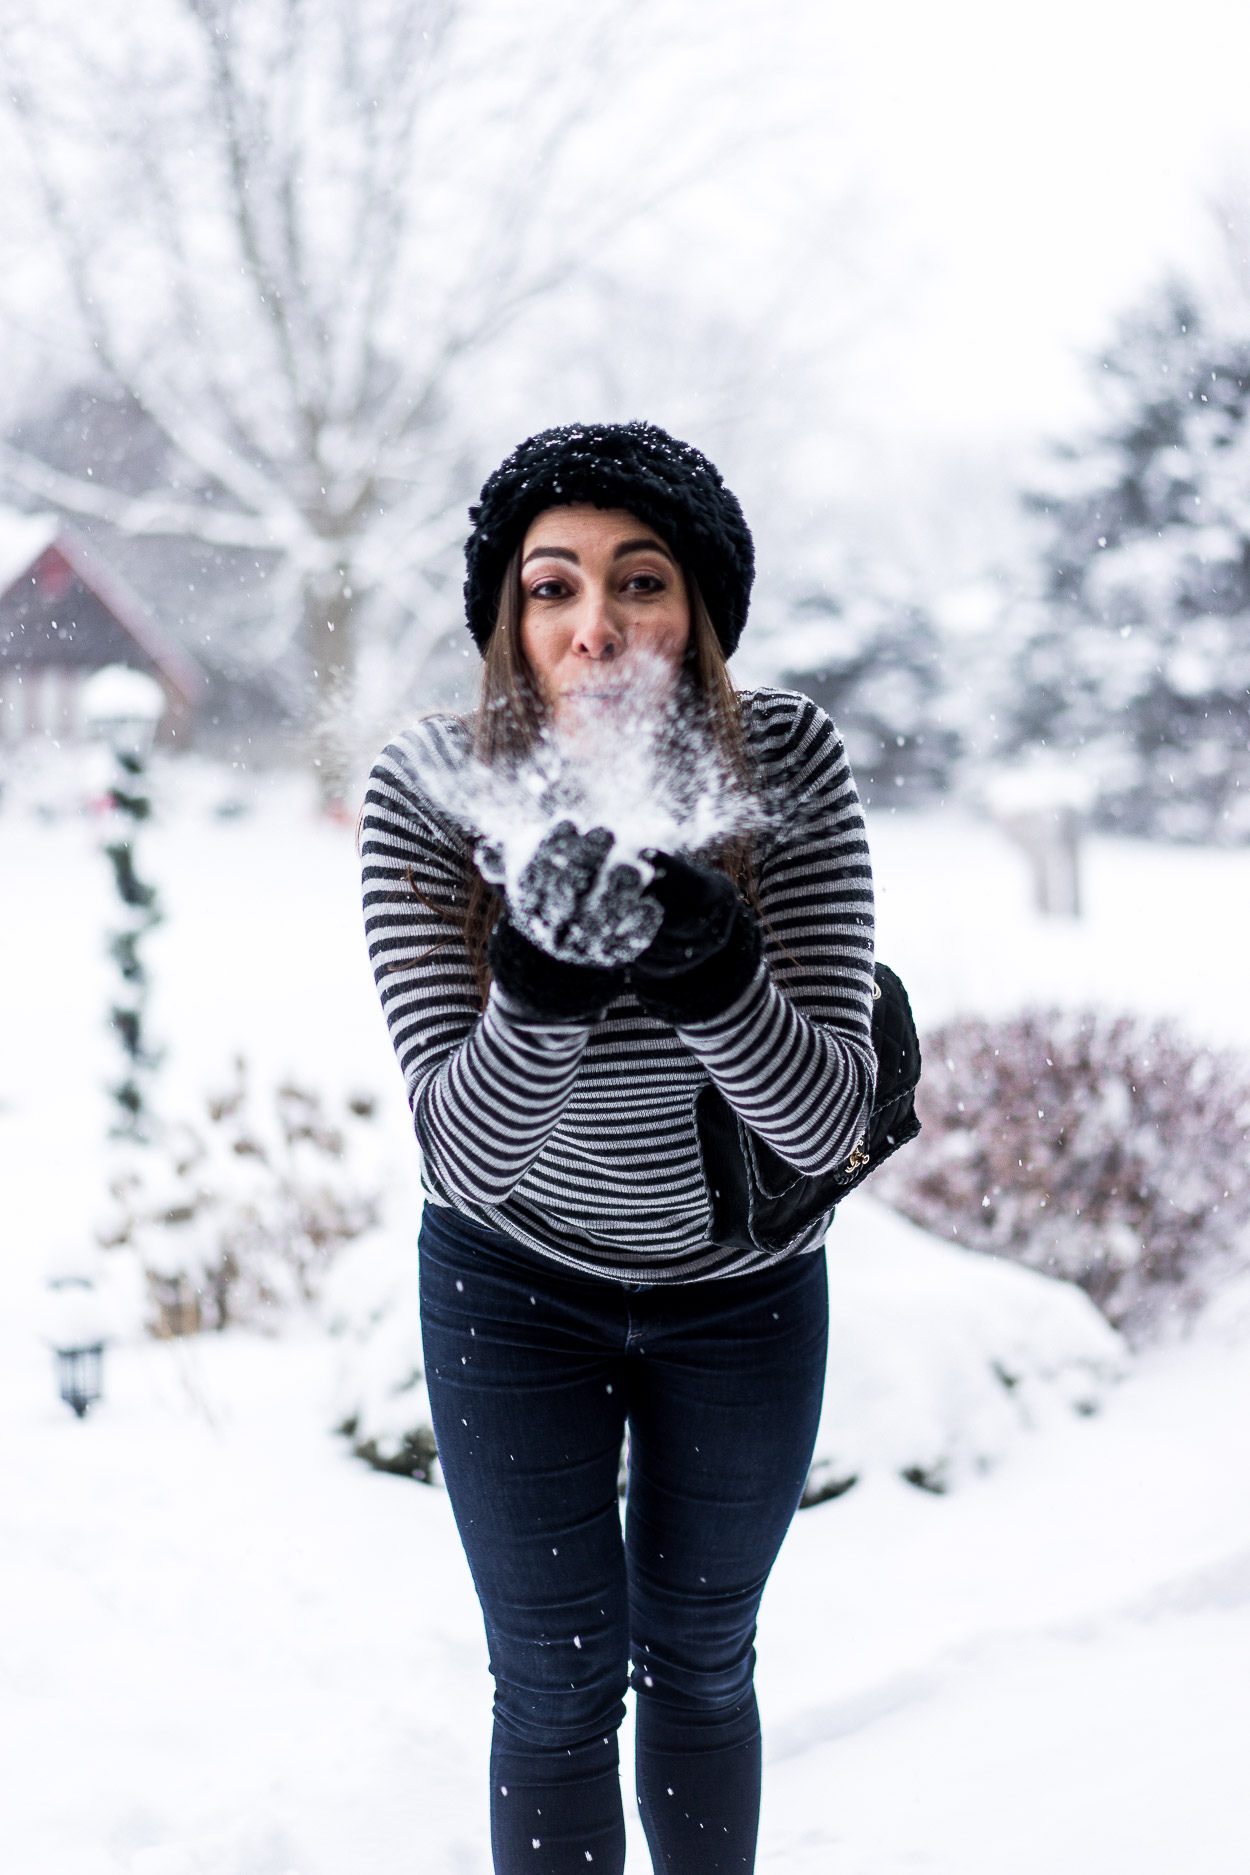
534	1375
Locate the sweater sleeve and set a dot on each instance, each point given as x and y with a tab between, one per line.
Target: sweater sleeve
486	1089
794	1056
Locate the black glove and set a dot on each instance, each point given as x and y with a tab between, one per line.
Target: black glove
707	948
542	988
579	908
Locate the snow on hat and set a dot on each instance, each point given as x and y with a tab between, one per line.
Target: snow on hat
669	485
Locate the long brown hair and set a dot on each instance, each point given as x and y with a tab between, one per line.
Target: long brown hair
510	717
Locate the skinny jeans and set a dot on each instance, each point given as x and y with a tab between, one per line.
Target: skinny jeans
534	1376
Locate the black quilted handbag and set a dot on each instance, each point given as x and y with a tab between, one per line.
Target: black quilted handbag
759	1202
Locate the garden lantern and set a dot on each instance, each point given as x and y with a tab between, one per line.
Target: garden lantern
77	1341
123	707
79	1372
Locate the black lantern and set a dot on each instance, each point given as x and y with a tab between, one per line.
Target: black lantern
77	1333
123	707
79	1372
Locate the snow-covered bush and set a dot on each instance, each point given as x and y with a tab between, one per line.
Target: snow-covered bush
371	1301
1109	1150
241	1215
941	1360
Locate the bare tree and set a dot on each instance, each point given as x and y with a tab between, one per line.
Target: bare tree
292	231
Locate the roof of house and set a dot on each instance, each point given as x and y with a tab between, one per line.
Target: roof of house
27	539
23	538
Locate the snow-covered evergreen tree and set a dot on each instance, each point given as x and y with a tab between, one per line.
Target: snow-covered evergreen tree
1139	654
874	661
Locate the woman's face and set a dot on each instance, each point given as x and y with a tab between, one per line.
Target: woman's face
601	596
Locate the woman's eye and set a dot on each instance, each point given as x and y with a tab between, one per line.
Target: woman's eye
644	582
548	589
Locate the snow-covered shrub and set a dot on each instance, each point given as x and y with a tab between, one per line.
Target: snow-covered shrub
242	1214
1109	1150
940	1360
371	1301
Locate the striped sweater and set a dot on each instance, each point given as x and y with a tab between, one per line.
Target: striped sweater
580	1141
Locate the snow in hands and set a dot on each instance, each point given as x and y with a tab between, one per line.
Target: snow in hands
567	830
575	905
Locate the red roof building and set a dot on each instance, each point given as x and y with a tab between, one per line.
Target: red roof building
64	615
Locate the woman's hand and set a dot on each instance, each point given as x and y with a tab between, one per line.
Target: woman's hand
578	908
578	931
707	948
540	988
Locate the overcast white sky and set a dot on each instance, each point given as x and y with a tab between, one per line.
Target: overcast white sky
1021	173
1030	169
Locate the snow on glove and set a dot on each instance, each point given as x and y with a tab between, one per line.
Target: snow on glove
573	905
491	861
706	950
540	988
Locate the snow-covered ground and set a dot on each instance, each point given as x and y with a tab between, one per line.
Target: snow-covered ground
228	1648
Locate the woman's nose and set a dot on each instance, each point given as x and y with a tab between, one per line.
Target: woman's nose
598	633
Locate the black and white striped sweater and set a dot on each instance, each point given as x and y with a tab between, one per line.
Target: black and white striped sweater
580	1142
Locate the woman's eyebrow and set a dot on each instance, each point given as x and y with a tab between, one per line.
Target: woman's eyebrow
550	553
645	540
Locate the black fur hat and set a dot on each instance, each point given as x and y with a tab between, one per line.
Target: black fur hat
667	484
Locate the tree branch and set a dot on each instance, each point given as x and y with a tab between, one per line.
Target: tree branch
270	292
150	514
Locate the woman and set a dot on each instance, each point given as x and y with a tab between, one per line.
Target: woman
584	1268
